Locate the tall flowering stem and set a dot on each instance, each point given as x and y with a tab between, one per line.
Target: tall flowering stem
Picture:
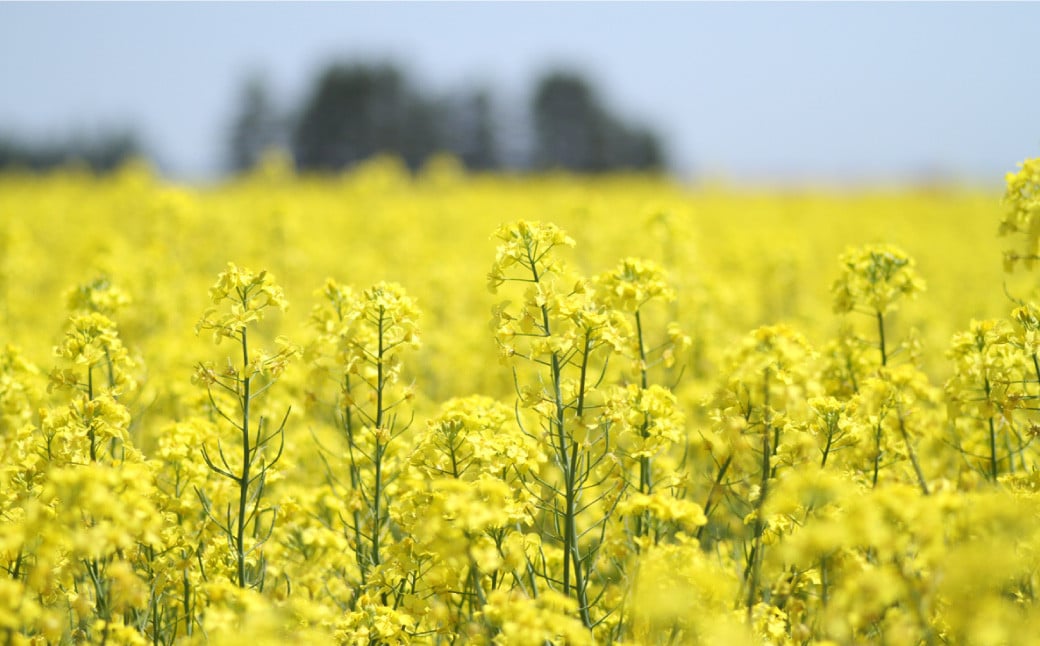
241	299
985	387
568	336
95	366
363	336
765	393
630	288
874	281
96	370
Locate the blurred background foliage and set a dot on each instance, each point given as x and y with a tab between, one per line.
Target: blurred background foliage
355	111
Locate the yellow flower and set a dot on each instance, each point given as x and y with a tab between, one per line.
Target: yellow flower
529	245
665	508
633	284
874	279
246	295
92	342
522	621
1022	200
99	296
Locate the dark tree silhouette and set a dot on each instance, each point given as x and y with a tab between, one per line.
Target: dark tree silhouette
633	148
256	128
358	111
102	152
569	124
574	131
469	130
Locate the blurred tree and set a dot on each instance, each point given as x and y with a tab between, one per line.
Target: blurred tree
574	131
420	134
357	111
569	124
256	128
469	130
633	148
102	152
110	151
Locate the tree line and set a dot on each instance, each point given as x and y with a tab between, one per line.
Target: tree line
101	151
354	111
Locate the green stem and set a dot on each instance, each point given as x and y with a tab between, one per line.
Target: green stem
355	485
571	525
913	456
243	481
759	527
992	436
378	455
579	575
90	427
827	448
186	582
567	451
377	508
715	487
643	381
645	478
877	453
881	337
824	591
852	371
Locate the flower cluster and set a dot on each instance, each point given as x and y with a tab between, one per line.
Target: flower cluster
1022	199
247	296
874	279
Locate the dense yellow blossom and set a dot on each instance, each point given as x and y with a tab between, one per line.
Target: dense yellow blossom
1022	200
875	277
677	416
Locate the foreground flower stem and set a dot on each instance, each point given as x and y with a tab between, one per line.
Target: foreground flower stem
249	294
243	479
567	454
913	454
755	566
881	338
645	478
380	447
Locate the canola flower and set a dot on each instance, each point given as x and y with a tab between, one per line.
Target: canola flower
668	434
245	296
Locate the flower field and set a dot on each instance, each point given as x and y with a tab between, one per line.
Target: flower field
475	409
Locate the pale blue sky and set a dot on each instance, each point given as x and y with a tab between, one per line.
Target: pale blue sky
747	91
